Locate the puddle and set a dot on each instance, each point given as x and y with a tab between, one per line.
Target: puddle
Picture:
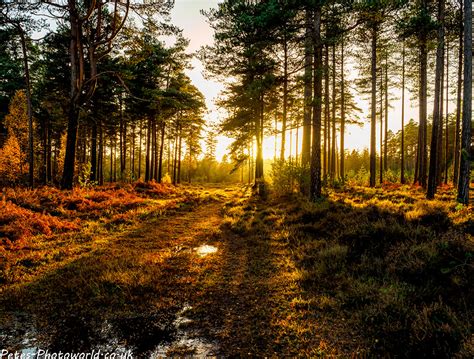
144	336
18	334
205	249
185	342
138	335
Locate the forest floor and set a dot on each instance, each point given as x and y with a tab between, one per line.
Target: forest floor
217	271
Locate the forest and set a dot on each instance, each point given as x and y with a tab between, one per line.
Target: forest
320	205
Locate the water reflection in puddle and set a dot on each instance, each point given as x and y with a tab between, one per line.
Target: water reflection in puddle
185	343
205	249
149	337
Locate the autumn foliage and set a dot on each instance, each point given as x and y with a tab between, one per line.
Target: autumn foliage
47	211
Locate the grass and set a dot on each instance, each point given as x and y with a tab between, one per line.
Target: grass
370	272
46	228
363	273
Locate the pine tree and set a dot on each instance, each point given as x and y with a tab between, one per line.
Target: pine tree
466	137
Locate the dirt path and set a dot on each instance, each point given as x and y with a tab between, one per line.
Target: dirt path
132	291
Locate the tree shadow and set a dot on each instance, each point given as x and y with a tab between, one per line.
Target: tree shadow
288	279
124	295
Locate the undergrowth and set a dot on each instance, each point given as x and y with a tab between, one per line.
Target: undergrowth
44	226
382	271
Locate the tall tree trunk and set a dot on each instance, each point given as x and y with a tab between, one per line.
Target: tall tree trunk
373	114
343	113
402	148
308	75
439	168
115	159
73	112
333	115
169	156
435	143
249	169
327	137
123	140
285	99
175	155
44	134
385	145
140	142
423	98
111	177
276	136
190	163
101	156
162	144
466	137
93	174
446	132
156	153
315	187
180	137
457	133
259	138
153	160
55	169
147	154
132	154
296	146
381	127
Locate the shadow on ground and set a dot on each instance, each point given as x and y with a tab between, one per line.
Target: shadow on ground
286	278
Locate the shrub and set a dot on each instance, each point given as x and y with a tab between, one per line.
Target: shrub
436	332
18	224
287	176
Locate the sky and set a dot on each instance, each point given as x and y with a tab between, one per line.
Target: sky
186	15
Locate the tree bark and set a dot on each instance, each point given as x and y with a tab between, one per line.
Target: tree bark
315	187
385	145
343	113
439	169
423	128
381	127
327	137
285	99
180	137
457	133
153	162
373	114
333	115
93	174
466	137
175	158
132	154
123	142
101	156
147	155
259	138
162	144
306	150
140	142
73	113
402	148
157	152
446	132
111	160
435	140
